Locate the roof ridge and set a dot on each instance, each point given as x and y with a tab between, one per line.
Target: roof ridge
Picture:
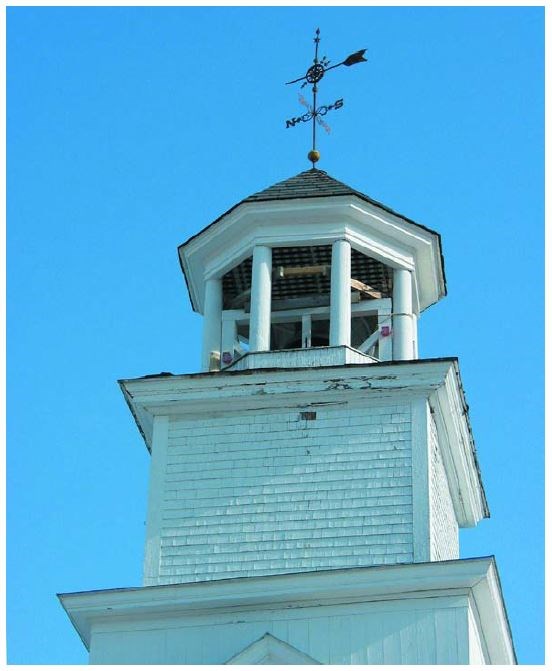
307	184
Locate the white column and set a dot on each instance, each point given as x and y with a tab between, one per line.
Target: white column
261	290
306	331
402	315
385	346
229	337
212	321
340	294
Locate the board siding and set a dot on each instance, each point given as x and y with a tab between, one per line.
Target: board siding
421	631
476	654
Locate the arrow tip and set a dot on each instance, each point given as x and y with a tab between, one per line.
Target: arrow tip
357	57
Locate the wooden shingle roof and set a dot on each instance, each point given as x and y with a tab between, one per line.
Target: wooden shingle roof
315	183
311	183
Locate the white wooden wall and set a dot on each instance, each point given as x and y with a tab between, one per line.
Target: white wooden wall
411	631
264	492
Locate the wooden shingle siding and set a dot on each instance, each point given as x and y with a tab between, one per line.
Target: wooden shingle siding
273	492
444	527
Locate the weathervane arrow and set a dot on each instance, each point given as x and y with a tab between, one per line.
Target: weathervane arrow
313	75
353	59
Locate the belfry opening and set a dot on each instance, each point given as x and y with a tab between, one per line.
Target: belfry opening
301	301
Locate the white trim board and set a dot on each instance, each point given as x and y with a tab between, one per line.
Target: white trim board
477	579
370	229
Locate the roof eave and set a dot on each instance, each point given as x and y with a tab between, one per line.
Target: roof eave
477	578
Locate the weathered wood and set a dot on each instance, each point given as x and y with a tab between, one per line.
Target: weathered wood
307	301
306	330
301	271
365	288
301	358
369	342
240	300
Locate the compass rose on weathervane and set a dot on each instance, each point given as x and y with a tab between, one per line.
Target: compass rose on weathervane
313	75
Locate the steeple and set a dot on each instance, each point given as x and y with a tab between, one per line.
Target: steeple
311	264
308	486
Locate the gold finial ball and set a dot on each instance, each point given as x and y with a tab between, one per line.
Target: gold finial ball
313	156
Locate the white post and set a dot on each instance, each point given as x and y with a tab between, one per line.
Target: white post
385	345
306	330
402	315
261	290
229	338
212	319
414	335
340	294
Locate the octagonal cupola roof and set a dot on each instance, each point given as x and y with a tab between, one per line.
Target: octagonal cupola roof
314	209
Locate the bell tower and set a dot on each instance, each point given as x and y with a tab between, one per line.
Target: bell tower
310	264
308	484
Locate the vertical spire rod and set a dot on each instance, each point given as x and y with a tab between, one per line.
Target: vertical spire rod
314	92
313	75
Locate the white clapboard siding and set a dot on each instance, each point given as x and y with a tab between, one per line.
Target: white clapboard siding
270	492
444	527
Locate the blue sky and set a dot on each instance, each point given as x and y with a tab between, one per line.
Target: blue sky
130	129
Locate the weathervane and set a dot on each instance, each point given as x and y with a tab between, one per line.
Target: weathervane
314	74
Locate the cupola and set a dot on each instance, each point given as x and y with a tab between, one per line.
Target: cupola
311	272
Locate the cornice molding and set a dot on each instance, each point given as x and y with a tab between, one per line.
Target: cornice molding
476	579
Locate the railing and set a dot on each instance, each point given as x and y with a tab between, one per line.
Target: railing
232	345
